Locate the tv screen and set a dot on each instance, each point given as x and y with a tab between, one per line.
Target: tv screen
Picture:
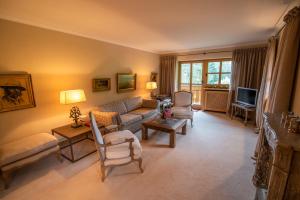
246	96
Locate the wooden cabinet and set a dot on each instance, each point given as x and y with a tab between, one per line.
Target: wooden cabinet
277	172
215	99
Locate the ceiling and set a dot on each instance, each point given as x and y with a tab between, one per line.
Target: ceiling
158	26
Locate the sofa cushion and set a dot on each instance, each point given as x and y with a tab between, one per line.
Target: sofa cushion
25	147
133	103
144	112
150	103
105	118
127	119
117	106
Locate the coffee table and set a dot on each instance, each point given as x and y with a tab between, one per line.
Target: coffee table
165	125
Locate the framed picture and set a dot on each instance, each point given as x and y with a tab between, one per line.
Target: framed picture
153	77
101	84
16	92
126	82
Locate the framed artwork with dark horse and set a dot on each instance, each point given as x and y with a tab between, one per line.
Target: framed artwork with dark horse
126	82
16	92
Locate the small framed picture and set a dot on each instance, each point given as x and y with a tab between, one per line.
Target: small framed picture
16	92
126	82
153	77
101	84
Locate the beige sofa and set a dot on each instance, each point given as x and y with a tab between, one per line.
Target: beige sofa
132	112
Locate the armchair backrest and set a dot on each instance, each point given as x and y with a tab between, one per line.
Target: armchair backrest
183	98
95	130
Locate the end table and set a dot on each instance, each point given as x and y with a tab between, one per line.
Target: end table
73	136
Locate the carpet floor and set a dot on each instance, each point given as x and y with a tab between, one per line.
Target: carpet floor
212	162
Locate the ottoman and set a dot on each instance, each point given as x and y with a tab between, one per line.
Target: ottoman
18	153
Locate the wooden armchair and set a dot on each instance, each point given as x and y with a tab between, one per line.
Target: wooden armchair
182	105
116	148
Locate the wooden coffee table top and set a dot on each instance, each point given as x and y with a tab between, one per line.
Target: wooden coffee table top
165	124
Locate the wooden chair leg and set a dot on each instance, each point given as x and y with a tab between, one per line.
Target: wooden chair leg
103	173
58	156
140	165
6	177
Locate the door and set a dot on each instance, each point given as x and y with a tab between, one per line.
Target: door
191	79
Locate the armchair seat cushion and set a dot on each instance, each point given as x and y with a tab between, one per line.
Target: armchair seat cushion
121	152
182	112
127	119
144	112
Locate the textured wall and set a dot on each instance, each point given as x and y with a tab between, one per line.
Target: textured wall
59	61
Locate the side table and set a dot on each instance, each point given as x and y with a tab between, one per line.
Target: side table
246	108
73	136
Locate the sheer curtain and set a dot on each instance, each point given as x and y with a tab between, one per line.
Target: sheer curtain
167	74
264	91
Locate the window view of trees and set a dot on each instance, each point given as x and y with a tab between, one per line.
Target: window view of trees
219	72
191	75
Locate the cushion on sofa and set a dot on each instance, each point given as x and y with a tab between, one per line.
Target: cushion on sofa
133	103
116	106
129	118
106	118
145	112
150	103
28	146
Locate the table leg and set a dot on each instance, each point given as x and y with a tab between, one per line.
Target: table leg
144	133
246	117
71	148
184	129
172	139
232	107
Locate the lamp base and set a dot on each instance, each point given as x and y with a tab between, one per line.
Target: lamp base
76	125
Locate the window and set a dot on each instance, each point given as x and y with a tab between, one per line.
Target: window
219	72
192	74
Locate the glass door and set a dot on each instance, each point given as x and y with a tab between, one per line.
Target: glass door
191	79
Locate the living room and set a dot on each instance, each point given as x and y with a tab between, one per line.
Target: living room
192	96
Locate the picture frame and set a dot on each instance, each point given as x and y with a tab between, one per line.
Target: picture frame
126	82
101	84
16	92
153	77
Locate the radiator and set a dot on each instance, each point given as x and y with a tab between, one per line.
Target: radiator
216	100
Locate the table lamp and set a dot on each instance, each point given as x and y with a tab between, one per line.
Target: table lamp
151	86
71	97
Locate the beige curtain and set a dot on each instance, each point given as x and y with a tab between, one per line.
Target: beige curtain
264	91
281	67
167	74
284	70
247	69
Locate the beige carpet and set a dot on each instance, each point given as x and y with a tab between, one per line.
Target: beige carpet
211	162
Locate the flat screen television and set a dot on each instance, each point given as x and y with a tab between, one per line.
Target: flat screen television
246	96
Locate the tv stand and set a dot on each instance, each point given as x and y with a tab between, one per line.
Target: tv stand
245	108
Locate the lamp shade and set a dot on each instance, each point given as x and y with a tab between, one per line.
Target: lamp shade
72	96
151	85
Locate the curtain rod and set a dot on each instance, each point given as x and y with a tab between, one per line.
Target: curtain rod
204	53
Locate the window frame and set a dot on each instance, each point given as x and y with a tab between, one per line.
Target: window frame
220	60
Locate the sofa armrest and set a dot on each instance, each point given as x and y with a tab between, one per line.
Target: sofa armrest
150	103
